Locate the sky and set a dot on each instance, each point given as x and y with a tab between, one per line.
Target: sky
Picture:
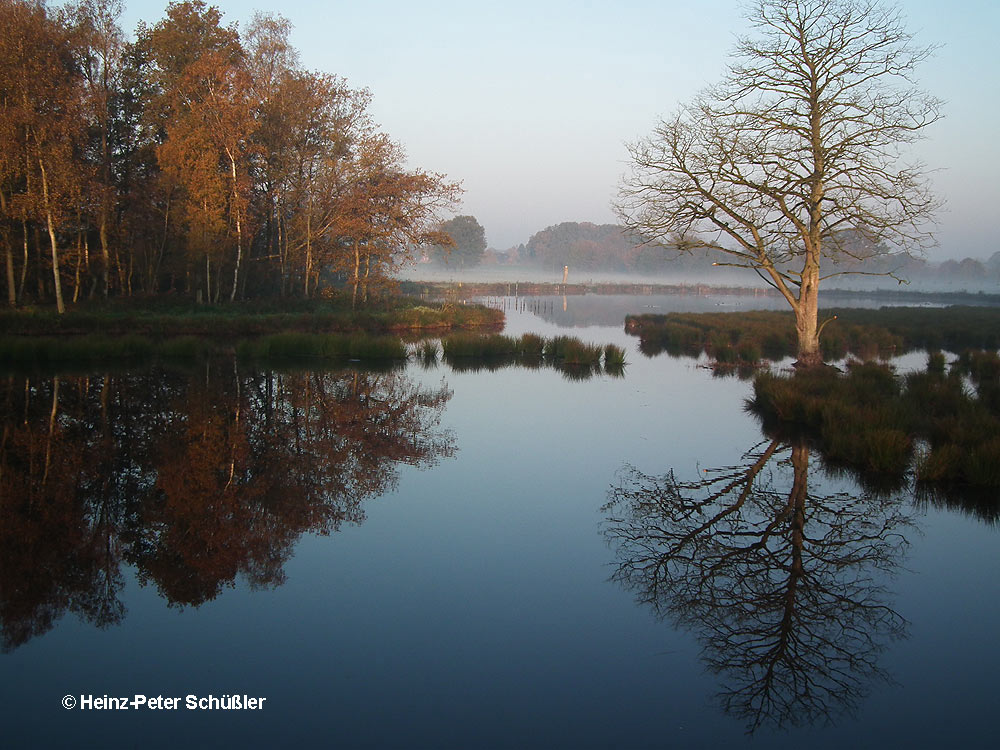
530	103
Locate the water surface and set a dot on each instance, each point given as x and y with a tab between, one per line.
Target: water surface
471	559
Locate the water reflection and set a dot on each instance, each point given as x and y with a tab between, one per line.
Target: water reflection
194	479
784	587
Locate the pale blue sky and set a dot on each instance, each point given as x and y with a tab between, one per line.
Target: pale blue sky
529	102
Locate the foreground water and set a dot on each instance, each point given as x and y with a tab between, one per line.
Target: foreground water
431	558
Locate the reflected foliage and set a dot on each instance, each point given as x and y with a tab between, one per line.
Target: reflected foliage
196	480
784	587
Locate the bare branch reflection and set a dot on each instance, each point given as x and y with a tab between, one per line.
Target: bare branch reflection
784	588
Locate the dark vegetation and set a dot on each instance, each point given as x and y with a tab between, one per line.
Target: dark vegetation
744	339
132	331
944	423
572	356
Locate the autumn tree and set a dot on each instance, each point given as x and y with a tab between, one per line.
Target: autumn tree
325	126
386	209
801	142
42	126
99	47
191	159
206	118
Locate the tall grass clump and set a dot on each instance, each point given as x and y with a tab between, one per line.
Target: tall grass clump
531	347
294	345
427	352
614	356
562	352
572	351
467	345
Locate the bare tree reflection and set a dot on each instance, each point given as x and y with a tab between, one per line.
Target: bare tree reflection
784	588
195	479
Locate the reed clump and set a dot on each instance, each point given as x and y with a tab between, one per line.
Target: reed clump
427	352
872	420
531	350
467	345
614	357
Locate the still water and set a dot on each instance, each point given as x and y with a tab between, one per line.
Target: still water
501	558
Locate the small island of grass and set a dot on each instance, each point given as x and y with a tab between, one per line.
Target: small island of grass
130	329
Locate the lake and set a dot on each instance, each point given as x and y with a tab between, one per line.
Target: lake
501	557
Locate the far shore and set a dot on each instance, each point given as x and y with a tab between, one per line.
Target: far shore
516	288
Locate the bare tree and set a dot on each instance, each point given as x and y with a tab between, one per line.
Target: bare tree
796	155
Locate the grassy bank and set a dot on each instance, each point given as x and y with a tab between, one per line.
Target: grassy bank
126	330
164	318
745	338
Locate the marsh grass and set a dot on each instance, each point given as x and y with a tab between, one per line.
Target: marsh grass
90	348
338	347
165	318
871	420
493	346
614	357
426	352
747	337
574	357
531	347
572	351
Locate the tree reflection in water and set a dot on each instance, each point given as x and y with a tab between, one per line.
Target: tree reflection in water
195	480
785	588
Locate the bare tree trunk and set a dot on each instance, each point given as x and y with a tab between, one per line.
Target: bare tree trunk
11	288
357	269
60	307
77	269
807	326
239	227
105	255
364	285
9	255
308	245
282	253
24	265
155	272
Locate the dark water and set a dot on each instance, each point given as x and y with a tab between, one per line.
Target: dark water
429	558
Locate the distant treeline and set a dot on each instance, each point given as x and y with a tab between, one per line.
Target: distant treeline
196	159
610	248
